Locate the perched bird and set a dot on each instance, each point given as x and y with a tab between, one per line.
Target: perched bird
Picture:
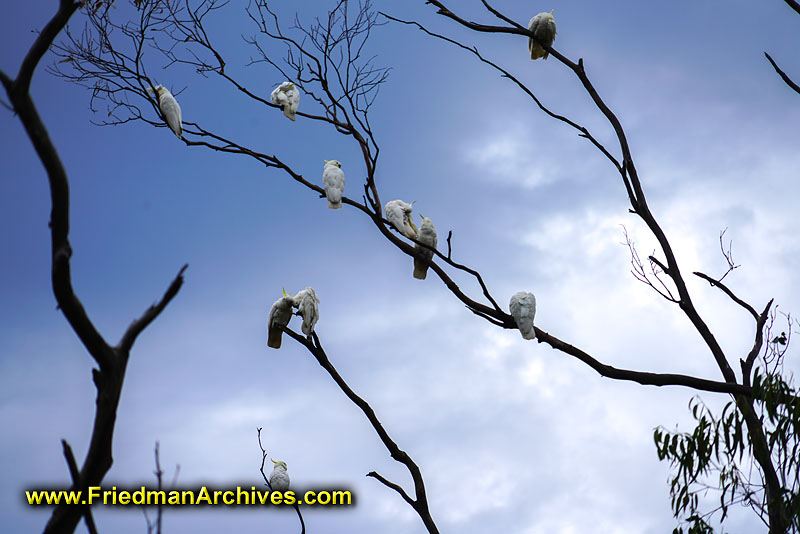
307	305
333	180
287	96
543	27
780	339
427	235
169	108
523	309
399	214
279	478
279	315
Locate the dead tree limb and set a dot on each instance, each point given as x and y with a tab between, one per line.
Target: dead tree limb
111	361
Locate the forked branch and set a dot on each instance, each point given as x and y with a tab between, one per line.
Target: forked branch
420	502
112	361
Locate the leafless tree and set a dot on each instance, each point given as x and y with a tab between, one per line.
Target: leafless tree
330	62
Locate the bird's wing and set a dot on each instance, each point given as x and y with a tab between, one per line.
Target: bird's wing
514	307
278	97
333	179
294	98
172	112
535	23
394	214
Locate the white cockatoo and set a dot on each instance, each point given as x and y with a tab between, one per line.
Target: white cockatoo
279	315
287	96
169	108
333	180
523	309
279	478
543	27
399	214
307	305
427	235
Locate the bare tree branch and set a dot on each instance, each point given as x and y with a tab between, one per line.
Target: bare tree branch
727	291
391	485
785	77
777	512
584	132
42	44
112	362
641	274
794	5
747	364
151	313
635	191
727	254
75	474
420	502
644	378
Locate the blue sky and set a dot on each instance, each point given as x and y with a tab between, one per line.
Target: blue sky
510	435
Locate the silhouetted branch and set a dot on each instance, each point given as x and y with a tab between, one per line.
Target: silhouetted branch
794	5
42	44
151	313
399	489
628	172
112	362
75	474
644	378
788	81
420	502
584	132
640	273
727	254
747	364
727	291
777	512
327	67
